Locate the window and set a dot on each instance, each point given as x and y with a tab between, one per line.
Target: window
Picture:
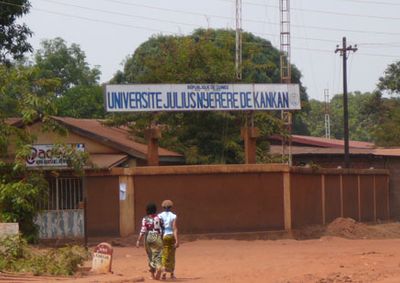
64	193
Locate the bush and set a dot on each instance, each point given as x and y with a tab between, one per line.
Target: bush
17	256
19	196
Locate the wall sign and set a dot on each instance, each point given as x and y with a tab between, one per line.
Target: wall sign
42	156
201	97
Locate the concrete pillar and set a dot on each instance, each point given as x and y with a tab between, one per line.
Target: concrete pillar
152	135
287	206
249	136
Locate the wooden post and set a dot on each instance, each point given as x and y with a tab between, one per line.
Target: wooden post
152	134
250	135
287	202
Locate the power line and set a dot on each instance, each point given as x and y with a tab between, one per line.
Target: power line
101	21
373	2
218	16
174	33
120	13
323	12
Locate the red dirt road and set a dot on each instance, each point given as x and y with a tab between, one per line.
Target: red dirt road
329	259
372	254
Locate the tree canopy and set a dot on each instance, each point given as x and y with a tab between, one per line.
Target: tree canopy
55	59
390	82
206	56
13	36
78	92
364	112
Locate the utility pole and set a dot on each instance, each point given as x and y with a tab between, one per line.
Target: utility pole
343	52
286	75
327	117
238	49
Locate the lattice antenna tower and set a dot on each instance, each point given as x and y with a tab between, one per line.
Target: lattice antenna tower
327	116
286	75
238	54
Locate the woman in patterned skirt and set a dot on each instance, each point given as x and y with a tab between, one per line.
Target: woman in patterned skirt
152	229
170	239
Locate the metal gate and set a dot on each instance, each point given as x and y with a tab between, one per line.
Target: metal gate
62	211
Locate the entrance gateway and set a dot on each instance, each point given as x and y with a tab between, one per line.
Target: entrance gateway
202	97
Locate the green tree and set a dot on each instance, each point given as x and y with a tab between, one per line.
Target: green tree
78	94
206	56
390	82
315	120
67	63
13	36
21	189
82	102
365	110
387	130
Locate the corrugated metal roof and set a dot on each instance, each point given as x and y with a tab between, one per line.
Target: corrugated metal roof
324	142
387	151
107	161
303	150
117	136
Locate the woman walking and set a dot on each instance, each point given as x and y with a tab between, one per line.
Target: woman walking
152	230
170	239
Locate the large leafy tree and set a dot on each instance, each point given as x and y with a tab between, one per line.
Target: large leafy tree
20	189
13	36
390	82
55	59
82	102
365	110
387	130
78	93
206	56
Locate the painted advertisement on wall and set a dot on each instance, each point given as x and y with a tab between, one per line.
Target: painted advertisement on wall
42	155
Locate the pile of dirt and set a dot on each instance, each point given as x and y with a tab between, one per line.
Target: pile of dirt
348	228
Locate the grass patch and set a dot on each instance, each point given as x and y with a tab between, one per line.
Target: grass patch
17	256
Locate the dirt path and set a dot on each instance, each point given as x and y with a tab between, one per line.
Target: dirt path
328	259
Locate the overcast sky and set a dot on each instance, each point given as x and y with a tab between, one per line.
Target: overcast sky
110	30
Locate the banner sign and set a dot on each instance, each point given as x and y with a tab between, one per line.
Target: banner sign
201	97
42	156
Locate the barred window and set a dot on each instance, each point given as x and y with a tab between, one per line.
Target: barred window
64	193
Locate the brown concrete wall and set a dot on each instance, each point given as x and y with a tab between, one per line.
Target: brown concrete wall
382	197
207	203
332	198
377	162
367	198
102	205
394	167
306	199
350	197
240	198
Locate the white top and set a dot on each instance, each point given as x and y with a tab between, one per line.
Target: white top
168	219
